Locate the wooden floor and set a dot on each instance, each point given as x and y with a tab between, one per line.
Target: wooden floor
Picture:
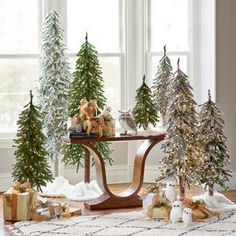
115	188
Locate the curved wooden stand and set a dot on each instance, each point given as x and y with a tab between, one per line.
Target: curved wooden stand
129	197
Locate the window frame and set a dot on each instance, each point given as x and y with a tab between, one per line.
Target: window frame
134	37
9	135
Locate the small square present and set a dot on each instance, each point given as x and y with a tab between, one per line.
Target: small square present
16	205
160	212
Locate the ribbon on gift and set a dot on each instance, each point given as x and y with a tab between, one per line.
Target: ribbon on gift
12	194
54	210
11	200
200	210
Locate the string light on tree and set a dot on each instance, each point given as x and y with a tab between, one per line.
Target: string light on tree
161	83
144	111
31	157
87	83
182	157
53	87
216	156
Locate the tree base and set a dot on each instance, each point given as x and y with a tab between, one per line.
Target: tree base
217	202
60	187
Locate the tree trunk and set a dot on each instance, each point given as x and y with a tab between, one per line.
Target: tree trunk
211	189
181	187
56	165
87	167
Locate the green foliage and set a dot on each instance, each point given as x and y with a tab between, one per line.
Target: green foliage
215	169
87	78
53	89
31	163
144	111
182	156
161	83
87	83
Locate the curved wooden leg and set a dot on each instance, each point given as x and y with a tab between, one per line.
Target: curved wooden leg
129	197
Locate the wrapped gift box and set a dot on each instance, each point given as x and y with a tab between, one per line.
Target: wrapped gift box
16	206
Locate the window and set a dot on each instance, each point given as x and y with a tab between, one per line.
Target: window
102	20
170	24
19	57
128	35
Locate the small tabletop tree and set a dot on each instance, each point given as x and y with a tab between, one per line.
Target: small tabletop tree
213	140
54	87
31	162
87	83
181	160
160	84
144	111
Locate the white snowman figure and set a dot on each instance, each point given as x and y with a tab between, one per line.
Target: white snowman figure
170	191
176	212
187	216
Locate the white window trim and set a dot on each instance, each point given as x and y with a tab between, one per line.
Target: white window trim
135	56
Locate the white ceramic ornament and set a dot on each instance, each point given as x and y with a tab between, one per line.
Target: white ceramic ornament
187	216
170	191
176	212
147	201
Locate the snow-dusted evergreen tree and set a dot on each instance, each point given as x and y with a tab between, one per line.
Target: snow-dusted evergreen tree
144	111
53	89
181	160
160	84
215	169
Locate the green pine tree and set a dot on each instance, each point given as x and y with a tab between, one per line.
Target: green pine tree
161	83
87	83
31	162
215	169
182	155
144	111
53	89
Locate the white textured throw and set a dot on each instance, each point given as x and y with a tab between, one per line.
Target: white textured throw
217	202
133	223
60	187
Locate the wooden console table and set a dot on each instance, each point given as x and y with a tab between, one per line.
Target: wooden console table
129	197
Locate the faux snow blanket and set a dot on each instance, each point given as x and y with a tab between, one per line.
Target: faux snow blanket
133	223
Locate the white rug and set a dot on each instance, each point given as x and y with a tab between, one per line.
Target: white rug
133	223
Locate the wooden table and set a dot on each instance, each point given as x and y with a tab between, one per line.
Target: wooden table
129	197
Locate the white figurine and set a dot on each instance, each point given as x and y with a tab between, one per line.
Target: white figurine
106	113
170	191
127	121
187	216
176	212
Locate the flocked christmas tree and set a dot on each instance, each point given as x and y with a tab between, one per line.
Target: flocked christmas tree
31	157
144	111
161	83
216	156
87	83
53	89
182	157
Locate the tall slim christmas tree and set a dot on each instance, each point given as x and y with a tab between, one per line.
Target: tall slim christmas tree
144	111
31	157
213	141
53	89
87	83
181	160
161	83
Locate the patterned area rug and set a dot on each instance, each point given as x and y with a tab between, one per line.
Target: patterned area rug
133	223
